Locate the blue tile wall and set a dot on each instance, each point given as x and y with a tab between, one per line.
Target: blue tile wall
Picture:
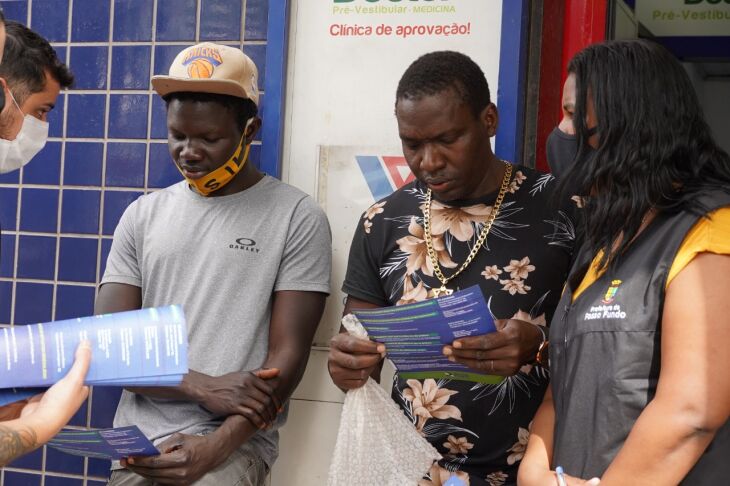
220	20
257	53
21	479
80	213
176	20
77	259
125	164
62	481
7	260
159	119
162	172
33	302
36	257
47	169
39	210
60	52
257	16
75	301
99	468
114	205
50	19
9	207
128	116
90	21
57	461
86	115
79	418
6	298
55	117
107	147
132	20
131	67
16	10
29	461
101	416
10	177
106	246
89	65
83	164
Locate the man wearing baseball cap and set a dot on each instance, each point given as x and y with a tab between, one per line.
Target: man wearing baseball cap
247	256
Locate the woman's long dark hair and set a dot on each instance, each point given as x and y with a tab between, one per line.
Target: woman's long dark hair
655	148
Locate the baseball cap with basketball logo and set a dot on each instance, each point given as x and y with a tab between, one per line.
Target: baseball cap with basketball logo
211	68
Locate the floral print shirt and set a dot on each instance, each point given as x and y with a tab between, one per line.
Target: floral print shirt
480	429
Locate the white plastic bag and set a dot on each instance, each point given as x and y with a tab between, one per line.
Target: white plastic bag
376	444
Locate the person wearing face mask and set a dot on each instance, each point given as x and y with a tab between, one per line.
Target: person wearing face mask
247	256
31	76
562	145
639	394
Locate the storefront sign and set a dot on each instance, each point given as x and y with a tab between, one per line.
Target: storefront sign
680	18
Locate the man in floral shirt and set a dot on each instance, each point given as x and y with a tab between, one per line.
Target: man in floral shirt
462	191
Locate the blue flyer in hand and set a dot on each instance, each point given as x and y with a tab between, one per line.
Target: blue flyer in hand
141	347
112	444
415	334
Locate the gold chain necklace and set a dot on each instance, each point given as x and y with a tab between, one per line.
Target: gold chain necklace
480	241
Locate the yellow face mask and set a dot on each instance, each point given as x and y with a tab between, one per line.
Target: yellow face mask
223	174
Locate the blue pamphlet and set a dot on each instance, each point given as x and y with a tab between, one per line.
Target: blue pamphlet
12	395
142	347
112	444
415	334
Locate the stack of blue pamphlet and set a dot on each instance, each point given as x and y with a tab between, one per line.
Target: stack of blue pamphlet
146	347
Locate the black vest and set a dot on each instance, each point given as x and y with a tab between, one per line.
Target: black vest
605	353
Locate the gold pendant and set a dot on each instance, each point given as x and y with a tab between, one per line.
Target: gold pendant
442	290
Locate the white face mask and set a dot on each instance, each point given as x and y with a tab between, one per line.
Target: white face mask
32	137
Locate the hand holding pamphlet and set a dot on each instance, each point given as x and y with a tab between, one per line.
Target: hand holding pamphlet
112	444
415	334
146	347
141	347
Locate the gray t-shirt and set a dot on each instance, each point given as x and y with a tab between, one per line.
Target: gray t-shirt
222	259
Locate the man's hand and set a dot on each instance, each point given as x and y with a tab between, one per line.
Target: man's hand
352	360
247	393
498	353
48	412
184	460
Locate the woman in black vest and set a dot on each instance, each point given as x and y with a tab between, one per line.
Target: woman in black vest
640	343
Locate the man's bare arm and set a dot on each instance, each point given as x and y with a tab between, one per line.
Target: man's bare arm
246	393
16	439
44	415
